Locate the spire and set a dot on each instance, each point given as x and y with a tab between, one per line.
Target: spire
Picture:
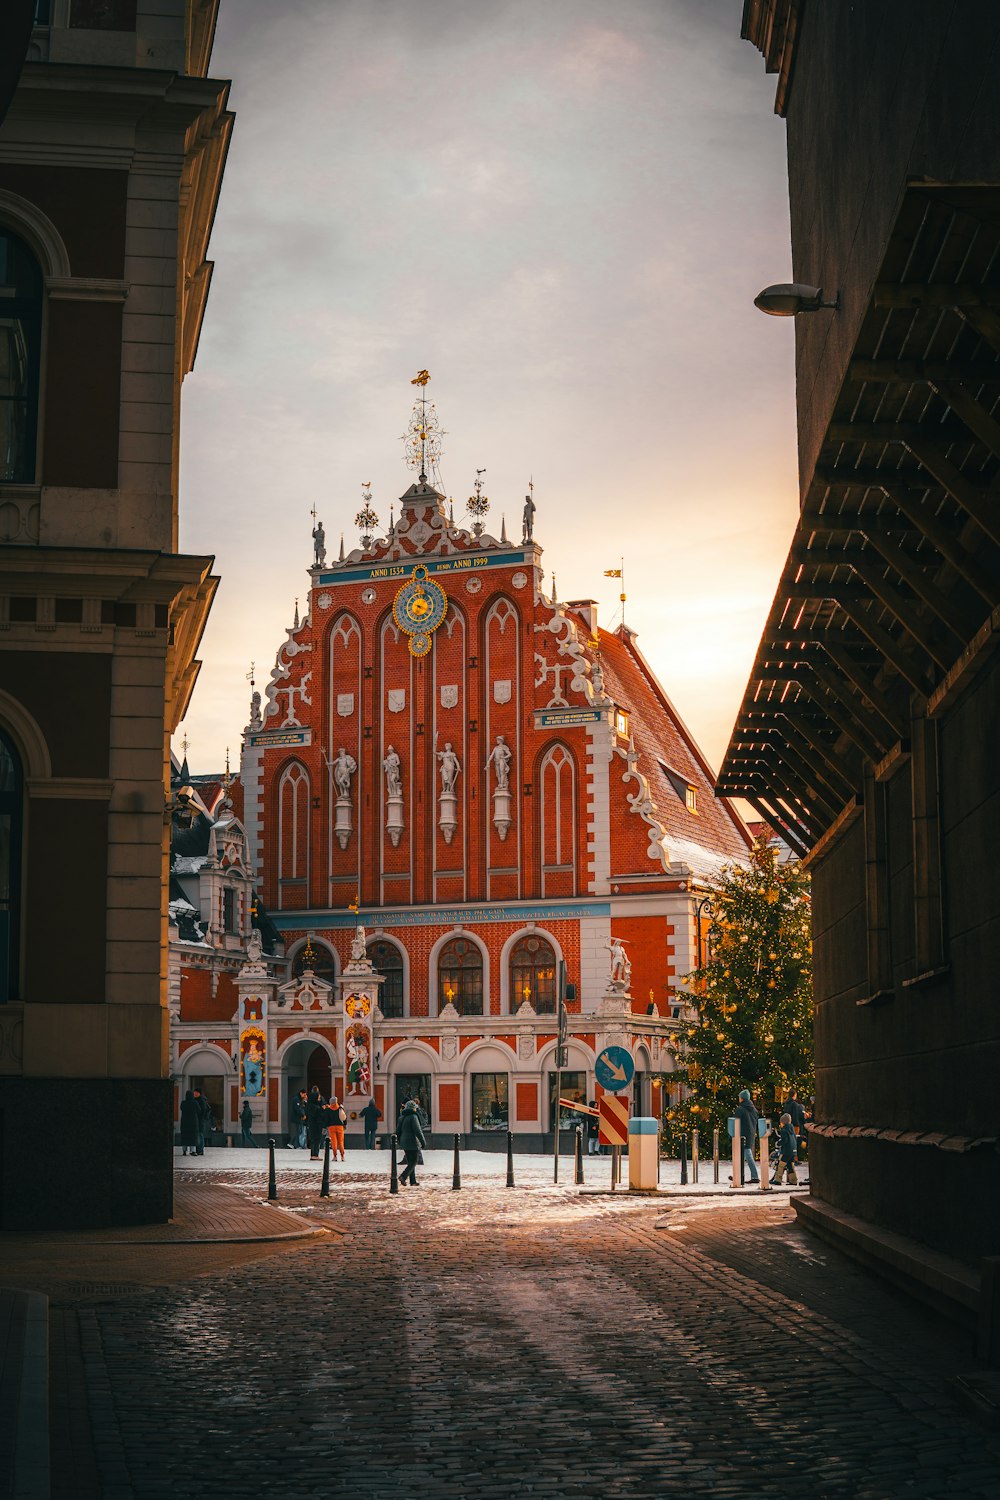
341	547
367	518
422	438
503	530
295	626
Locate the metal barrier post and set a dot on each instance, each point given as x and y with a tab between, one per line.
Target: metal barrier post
765	1160
324	1187
578	1165
715	1152
694	1156
456	1175
510	1158
684	1159
393	1169
272	1181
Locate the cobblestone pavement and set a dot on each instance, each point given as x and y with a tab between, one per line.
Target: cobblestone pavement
534	1342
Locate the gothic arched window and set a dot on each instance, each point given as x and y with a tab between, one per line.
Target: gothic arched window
20	358
318	958
11	814
387	960
293	832
533	974
460	977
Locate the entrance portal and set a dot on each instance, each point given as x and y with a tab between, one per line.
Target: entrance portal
306	1064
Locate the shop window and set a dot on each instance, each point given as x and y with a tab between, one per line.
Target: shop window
415	1086
490	1108
11	814
533	974
387	960
572	1086
460	977
20	354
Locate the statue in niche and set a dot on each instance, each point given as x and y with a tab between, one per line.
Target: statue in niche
500	758
359	945
393	774
319	545
344	768
621	967
450	767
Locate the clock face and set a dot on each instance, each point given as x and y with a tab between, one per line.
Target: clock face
367	596
418	610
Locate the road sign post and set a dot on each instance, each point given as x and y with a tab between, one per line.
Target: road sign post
614	1069
562	1058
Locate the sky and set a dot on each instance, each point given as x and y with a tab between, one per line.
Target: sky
563	211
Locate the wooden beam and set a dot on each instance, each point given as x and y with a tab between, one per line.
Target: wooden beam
986	322
970	411
906	614
981	507
833	776
780	825
894	432
802	671
942	294
862	680
848	720
912	672
948	612
912	371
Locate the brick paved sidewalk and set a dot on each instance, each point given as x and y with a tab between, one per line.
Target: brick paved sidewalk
491	1343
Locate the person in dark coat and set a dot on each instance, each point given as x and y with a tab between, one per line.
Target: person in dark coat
411	1138
371	1114
298	1120
314	1121
204	1114
246	1121
788	1152
593	1132
793	1108
748	1117
190	1118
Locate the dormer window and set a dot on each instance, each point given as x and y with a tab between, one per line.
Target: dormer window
621	723
691	799
685	791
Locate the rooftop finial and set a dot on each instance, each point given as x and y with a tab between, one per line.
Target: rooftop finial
618	572
478	504
296	624
366	519
423	434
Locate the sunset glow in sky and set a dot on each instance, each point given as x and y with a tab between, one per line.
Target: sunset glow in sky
563	211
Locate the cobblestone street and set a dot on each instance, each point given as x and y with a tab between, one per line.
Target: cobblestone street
510	1343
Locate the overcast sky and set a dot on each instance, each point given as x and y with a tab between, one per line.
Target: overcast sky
564	211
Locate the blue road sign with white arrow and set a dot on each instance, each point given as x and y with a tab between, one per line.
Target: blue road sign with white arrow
614	1069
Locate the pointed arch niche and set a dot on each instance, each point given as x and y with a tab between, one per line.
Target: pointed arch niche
294	793
502	679
557	821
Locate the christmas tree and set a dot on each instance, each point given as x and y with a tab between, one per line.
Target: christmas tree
753	995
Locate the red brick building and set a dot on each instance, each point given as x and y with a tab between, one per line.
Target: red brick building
488	783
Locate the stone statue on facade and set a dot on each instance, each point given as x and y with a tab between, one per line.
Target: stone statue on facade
359	945
344	768
319	545
450	767
256	721
500	758
255	947
393	774
528	520
621	967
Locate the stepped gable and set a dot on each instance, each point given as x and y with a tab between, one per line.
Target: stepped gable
659	734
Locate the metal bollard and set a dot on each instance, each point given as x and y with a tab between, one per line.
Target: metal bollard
578	1164
694	1156
715	1152
684	1160
324	1187
272	1181
510	1158
393	1171
765	1162
456	1176
737	1177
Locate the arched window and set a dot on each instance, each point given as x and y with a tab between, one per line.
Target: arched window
11	812
318	958
293	833
387	960
460	977
533	974
20	352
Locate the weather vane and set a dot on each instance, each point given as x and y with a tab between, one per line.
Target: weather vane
367	518
423	435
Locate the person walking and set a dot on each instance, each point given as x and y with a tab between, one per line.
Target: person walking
298	1121
315	1107
204	1120
748	1117
593	1132
788	1152
190	1118
798	1115
246	1121
371	1114
336	1120
411	1138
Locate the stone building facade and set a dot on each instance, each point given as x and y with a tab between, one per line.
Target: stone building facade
111	157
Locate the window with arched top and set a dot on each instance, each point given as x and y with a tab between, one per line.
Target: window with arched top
387	960
533	974
318	958
21	290
557	822
11	816
460	977
293	835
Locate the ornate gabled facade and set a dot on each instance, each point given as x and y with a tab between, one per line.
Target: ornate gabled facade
487	784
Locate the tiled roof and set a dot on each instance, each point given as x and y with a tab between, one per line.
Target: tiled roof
661	739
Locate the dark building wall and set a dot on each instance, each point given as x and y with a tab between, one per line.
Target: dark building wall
882	93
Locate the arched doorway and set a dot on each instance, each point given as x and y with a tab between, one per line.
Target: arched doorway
306	1064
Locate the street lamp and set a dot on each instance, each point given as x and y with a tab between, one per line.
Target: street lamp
786	299
704	905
